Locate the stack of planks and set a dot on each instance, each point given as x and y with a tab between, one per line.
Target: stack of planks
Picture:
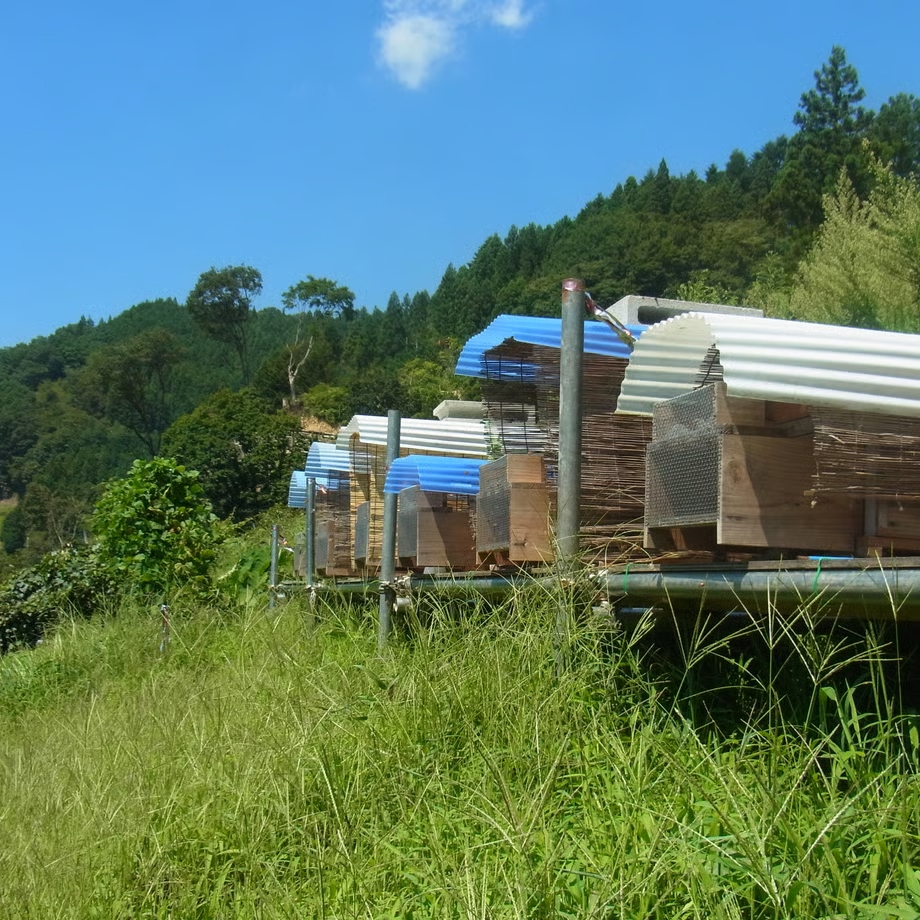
877	458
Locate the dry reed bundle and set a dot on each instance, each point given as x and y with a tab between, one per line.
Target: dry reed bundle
862	454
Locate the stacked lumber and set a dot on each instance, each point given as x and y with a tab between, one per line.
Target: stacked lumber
857	453
520	391
332	511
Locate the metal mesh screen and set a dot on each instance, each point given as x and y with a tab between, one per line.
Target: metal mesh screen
493	507
509	396
407	523
683	462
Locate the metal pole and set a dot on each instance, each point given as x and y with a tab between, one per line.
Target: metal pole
568	516
388	553
568	497
309	534
273	574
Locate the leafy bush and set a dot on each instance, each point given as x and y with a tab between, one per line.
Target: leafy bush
69	581
156	530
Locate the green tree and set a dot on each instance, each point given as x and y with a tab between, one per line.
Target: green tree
831	125
328	403
244	453
320	295
864	268
895	133
133	383
156	530
324	299
221	306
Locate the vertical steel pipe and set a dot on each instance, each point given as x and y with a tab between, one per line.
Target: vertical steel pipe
309	534
568	516
273	569
568	496
388	551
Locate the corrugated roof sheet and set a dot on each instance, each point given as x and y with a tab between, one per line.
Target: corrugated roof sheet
446	436
297	490
600	339
778	360
322	457
458	475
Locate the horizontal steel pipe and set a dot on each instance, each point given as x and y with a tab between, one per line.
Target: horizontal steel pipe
850	590
890	593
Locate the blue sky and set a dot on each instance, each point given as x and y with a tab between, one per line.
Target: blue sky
370	142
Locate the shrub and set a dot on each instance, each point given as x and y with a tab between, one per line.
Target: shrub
156	530
68	581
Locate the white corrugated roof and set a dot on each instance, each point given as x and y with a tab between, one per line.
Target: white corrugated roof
779	360
449	436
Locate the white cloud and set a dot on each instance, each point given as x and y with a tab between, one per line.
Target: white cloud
418	35
511	15
412	46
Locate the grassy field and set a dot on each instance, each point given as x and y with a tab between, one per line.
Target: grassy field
266	767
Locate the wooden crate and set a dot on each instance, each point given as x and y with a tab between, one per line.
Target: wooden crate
738	473
513	511
434	533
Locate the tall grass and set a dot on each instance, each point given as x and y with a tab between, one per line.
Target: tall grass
263	768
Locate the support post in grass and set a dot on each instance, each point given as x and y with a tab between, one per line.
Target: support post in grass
568	515
309	545
388	551
273	568
309	533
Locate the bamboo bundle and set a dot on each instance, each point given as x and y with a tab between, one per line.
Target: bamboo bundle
366	481
508	391
521	395
869	455
613	453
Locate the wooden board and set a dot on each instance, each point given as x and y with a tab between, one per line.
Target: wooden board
763	501
529	518
900	520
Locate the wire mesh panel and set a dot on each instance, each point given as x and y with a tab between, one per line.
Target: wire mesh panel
684	461
508	389
366	481
407	525
361	527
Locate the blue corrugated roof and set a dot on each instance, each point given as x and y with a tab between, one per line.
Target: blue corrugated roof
600	339
297	490
458	475
321	458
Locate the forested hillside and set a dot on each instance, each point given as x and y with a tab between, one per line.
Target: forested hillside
823	224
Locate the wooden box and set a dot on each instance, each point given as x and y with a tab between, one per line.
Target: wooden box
432	533
513	511
738	473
